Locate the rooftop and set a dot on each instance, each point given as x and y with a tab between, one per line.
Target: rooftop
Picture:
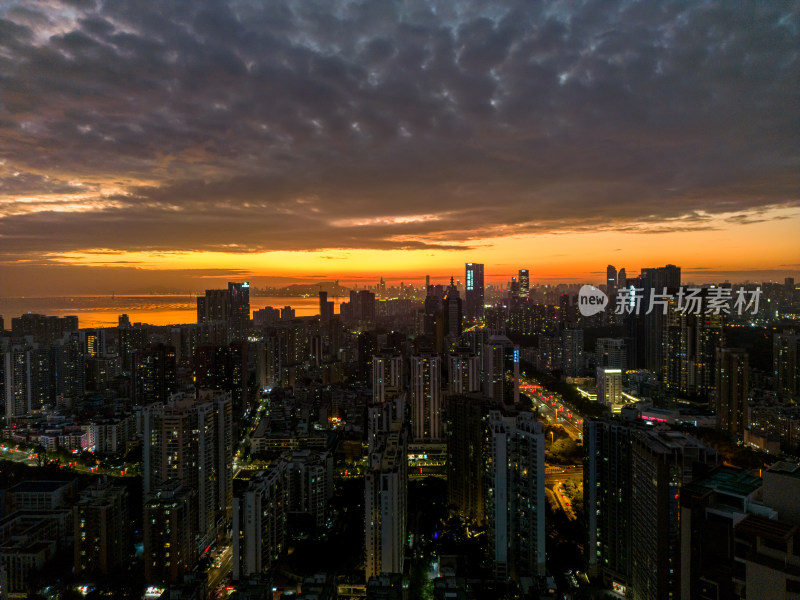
730	480
39	486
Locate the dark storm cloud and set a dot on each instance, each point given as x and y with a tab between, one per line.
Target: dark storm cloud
305	125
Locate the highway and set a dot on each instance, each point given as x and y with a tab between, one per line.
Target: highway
553	407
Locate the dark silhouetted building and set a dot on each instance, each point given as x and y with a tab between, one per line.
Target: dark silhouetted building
474	291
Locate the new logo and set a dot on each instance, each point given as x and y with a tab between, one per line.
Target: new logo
591	300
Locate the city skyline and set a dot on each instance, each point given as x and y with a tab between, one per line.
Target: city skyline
149	145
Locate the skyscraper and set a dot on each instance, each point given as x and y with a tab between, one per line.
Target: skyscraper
464	372
611	281
611	352
192	442
466	464
607	446
474	291
515	494
230	308
170	525
102	529
259	522
452	311
732	386
786	366
656	280
387	375
239	294
426	397
385	503
662	462
524	283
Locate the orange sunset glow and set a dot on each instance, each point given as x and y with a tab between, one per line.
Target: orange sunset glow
287	155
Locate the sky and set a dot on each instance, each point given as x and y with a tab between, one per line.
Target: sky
171	145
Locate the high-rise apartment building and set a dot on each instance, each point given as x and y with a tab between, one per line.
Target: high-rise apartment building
515	494
102	536
607	445
385	506
656	280
191	441
259	522
611	352
474	291
662	462
28	375
466	465
464	372
426	397
230	308
785	363
170	526
387	375
732	387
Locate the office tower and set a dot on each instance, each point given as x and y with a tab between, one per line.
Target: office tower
515	495
385	506
622	279
611	352
464	372
785	364
524	283
663	461
465	456
655	280
572	364
609	386
102	530
170	526
732	387
387	376
426	397
191	441
607	447
474	291
611	282
259	522
452	311
427	282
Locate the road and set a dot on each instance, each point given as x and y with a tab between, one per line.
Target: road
217	575
553	407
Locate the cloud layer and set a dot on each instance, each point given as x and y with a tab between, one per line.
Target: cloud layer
289	125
